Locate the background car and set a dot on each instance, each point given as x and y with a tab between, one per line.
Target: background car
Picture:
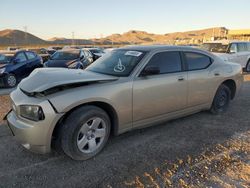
70	58
96	52
233	51
14	66
42	52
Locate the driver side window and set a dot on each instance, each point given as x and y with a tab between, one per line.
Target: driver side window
167	62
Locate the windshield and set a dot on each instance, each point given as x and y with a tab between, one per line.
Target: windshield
215	47
65	55
117	63
5	58
96	51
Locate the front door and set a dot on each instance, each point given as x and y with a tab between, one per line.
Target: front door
162	93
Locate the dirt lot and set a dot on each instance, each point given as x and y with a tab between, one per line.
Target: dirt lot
201	150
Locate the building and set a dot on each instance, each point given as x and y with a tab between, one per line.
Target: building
239	35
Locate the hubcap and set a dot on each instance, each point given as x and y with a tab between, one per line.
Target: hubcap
91	135
11	80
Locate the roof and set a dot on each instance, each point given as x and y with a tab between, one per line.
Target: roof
158	47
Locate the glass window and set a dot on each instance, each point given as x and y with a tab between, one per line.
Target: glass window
65	55
248	46
118	63
30	55
233	48
167	62
242	47
196	61
5	58
21	57
81	54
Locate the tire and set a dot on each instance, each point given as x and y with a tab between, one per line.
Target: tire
221	100
248	66
85	132
11	80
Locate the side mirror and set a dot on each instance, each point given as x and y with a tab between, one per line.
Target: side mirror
150	71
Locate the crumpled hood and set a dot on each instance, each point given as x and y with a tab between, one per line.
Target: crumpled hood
42	79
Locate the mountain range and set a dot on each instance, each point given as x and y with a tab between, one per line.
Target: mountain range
10	37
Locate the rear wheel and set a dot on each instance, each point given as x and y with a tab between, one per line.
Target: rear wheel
11	80
85	132
221	100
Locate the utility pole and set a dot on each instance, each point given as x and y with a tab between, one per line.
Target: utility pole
101	35
73	38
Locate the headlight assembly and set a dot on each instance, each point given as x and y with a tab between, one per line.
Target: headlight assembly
31	112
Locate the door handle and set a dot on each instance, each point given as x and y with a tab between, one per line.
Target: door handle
181	78
216	74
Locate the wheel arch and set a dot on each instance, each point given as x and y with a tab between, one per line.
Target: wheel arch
231	84
109	109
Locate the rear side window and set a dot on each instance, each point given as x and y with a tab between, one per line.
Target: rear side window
248	46
197	61
167	62
30	55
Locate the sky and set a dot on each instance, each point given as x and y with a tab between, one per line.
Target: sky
99	18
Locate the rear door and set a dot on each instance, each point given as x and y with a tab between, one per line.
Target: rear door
33	61
199	83
163	93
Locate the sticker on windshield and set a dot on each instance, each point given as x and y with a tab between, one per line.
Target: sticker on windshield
133	53
119	67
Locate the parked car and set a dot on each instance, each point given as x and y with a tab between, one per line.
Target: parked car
234	51
126	89
14	66
96	52
54	48
42	52
71	58
49	51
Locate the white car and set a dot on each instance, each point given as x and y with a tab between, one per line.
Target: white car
232	51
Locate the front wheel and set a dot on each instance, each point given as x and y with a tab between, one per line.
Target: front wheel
85	132
221	100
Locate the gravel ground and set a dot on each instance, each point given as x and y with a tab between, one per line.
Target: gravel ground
4	106
201	150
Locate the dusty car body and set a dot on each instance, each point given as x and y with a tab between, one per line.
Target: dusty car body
144	96
232	51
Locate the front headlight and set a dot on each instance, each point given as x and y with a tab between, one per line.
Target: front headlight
2	70
31	112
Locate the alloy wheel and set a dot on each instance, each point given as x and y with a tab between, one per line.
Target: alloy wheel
11	80
91	135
